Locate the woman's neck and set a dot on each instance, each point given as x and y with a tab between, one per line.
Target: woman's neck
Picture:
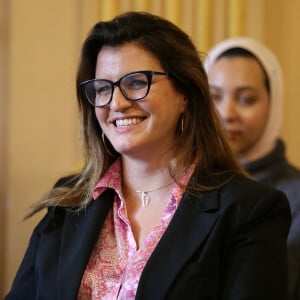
145	175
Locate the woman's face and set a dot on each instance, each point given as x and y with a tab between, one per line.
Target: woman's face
238	89
138	128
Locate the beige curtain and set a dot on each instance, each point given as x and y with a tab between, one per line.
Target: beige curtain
203	20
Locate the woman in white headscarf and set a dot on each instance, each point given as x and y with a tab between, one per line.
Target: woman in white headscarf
246	83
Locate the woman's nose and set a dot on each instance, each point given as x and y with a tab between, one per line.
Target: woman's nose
119	102
227	109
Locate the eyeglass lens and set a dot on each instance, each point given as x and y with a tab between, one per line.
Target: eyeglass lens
134	86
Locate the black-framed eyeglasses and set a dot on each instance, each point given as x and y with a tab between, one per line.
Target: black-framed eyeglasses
134	86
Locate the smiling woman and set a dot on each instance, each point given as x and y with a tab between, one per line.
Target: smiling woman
161	208
145	91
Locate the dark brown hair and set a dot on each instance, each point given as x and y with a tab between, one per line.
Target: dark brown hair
201	141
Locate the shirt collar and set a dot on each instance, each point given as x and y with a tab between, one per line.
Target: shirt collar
112	179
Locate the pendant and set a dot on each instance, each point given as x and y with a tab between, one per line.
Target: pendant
145	199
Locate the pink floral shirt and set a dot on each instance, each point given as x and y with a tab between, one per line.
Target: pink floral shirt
115	265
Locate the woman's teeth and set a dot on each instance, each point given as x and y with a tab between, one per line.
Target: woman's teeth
128	122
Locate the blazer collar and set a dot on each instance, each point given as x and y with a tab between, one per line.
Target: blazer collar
189	228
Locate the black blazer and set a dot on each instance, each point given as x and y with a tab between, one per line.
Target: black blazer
228	243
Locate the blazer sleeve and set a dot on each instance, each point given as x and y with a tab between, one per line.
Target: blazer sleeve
256	266
24	284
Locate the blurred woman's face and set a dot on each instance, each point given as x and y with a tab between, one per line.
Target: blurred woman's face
145	127
238	89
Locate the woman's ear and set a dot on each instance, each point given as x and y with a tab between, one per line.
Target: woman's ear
184	103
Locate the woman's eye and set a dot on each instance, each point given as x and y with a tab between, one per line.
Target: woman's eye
246	100
216	97
103	90
136	84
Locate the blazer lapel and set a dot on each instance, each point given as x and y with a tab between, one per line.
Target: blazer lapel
80	232
191	224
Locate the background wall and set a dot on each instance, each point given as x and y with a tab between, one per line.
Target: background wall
39	48
3	129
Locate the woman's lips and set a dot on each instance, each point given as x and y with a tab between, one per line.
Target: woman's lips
233	134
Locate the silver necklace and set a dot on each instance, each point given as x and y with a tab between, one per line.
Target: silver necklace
145	198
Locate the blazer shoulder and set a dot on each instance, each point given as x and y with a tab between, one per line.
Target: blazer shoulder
247	195
240	184
248	205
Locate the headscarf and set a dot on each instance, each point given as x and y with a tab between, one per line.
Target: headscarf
271	133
